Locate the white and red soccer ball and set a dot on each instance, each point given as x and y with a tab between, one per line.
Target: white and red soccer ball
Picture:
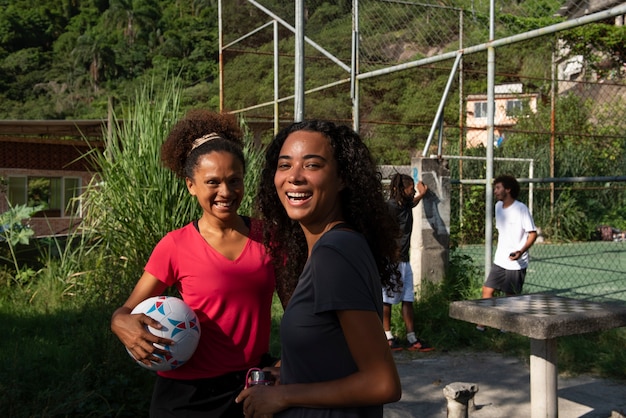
179	323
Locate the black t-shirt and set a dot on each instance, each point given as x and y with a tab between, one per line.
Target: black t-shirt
341	274
404	216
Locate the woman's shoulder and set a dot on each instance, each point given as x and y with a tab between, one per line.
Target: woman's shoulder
176	239
343	237
190	227
181	233
343	245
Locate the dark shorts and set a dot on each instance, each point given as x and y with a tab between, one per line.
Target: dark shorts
201	398
206	398
507	281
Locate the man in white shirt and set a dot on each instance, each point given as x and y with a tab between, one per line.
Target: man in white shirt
516	234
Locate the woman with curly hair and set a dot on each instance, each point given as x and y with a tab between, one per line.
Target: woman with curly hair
222	270
328	224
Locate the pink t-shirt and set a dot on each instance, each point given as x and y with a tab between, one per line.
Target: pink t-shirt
232	298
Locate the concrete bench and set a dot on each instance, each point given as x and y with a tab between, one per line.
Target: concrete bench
543	318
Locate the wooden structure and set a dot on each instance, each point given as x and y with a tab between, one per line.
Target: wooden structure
48	149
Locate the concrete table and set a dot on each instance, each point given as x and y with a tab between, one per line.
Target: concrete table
542	318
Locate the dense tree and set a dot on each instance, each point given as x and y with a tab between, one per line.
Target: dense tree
61	59
64	59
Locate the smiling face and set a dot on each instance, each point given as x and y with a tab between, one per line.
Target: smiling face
217	183
307	180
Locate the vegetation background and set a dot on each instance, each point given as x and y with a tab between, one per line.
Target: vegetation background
154	59
71	59
74	59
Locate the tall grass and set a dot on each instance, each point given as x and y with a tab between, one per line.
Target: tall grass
136	201
255	158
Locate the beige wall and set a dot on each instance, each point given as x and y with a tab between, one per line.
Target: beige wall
477	127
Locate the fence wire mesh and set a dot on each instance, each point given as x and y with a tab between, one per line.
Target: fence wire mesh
560	102
573	256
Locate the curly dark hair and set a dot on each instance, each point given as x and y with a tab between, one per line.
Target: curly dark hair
399	182
362	201
178	152
508	182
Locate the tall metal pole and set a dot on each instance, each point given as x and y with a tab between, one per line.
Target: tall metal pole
437	121
276	96
491	71
552	126
298	113
221	53
354	70
461	116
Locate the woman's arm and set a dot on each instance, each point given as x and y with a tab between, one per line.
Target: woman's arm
375	382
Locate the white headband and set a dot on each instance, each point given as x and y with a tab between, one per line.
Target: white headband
205	138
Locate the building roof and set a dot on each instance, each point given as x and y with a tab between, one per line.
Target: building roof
53	128
577	8
49	144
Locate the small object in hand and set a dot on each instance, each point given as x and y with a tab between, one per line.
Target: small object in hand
513	254
257	376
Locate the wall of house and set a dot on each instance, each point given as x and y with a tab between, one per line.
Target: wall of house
476	133
41	223
45	157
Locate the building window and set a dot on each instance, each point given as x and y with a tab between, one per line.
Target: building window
514	107
57	195
480	109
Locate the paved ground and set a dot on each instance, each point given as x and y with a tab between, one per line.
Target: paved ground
503	388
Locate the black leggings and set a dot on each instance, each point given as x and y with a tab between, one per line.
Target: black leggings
206	398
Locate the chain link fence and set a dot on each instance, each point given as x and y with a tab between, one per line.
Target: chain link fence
560	106
574	255
571	257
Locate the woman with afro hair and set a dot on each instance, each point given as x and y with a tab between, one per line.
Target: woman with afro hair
333	241
220	267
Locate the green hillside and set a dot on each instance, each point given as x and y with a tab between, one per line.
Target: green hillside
68	59
64	59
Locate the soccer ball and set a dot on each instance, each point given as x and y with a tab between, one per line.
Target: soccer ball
180	324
